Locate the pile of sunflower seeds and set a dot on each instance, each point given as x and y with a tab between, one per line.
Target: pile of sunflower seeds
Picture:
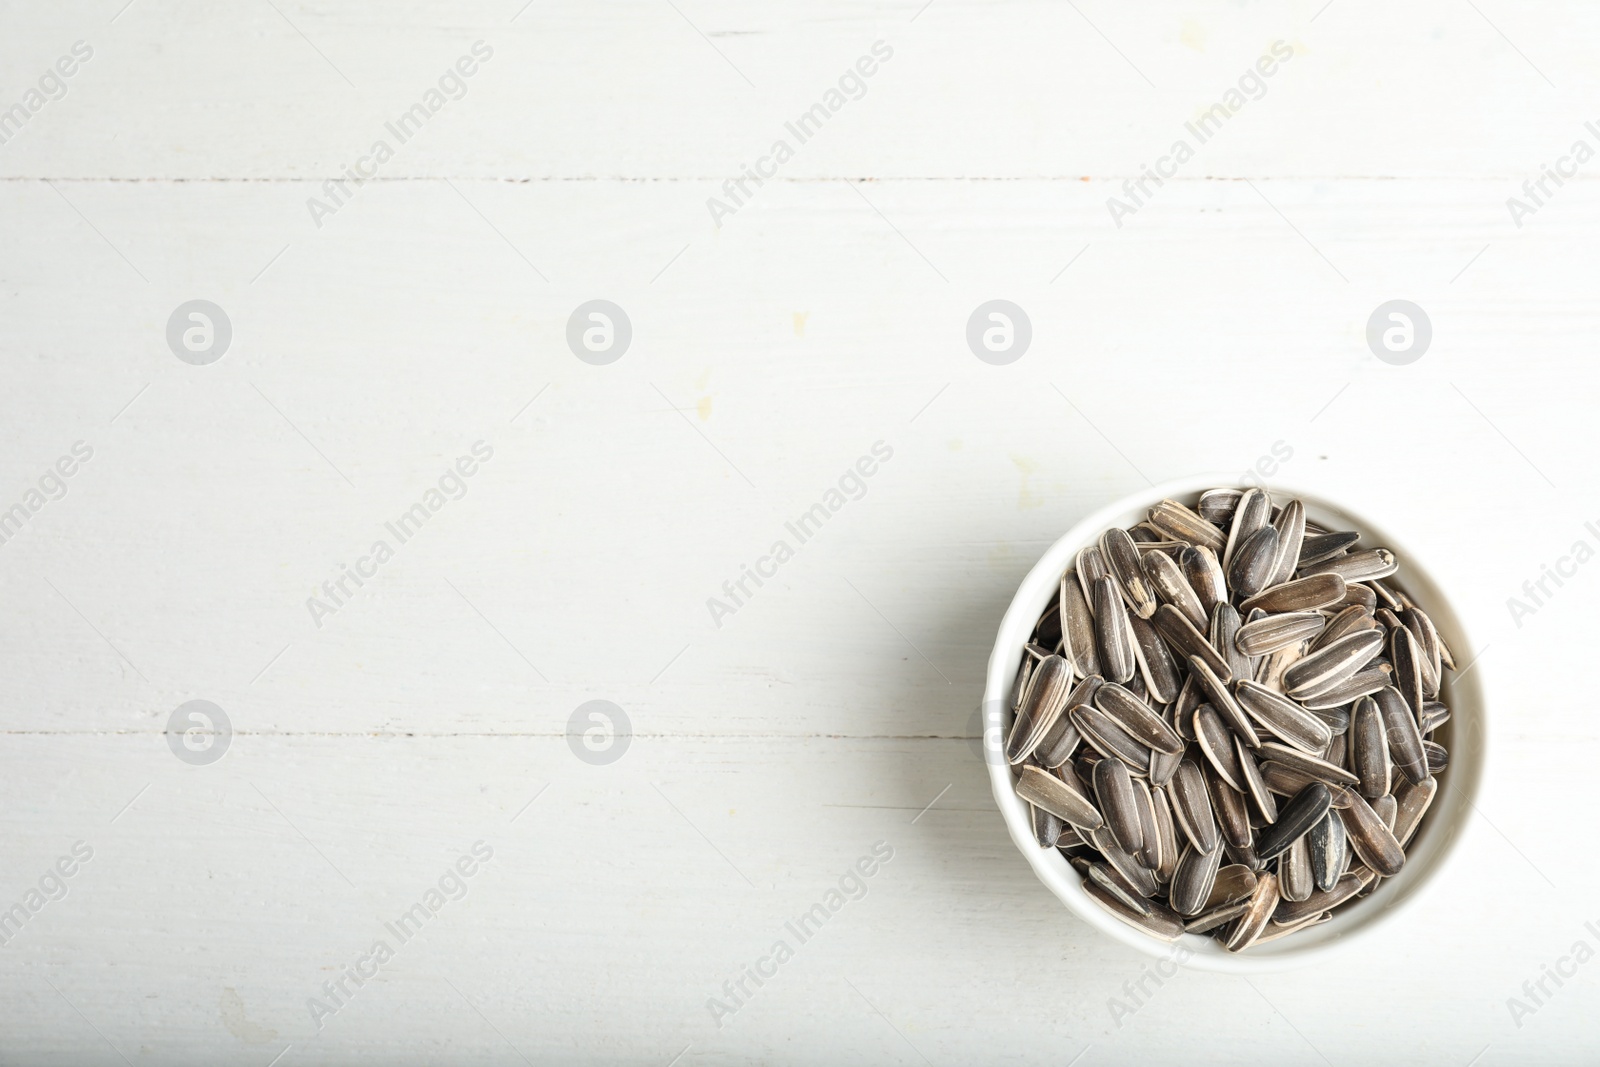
1225	720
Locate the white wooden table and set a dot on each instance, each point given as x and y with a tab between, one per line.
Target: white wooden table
374	741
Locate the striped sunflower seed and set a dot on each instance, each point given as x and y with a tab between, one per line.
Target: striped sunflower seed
1211	920
1295	880
1250	925
1127	570
1091	567
1363	566
1370	750
1116	797
1167	579
1168	833
1181	524
1407	660
1193	879
1364	682
1304	762
1317	548
1044	790
1233	816
1414	801
1255	786
1251	568
1149	852
1371	840
1271	632
1156	667
1136	717
1283	718
1356	595
1191	807
1046	827
1223	631
1113	635
1110	740
1078	628
1290	912
1161	923
1302	594
1346	621
1321	671
1046	700
1222	700
1403	735
1216	744
1216	505
1325	844
1291	527
1204	572
1252	513
1296	819
1140	877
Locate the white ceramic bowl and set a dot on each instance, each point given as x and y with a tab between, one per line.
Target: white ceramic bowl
1464	735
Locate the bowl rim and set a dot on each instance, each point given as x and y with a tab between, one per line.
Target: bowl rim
1430	851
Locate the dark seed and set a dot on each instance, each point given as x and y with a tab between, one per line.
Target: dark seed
1078	628
1113	635
1400	730
1302	594
1251	569
1296	818
1122	559
1315	549
1325	842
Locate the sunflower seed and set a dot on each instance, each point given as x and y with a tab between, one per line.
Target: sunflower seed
1224	627
1321	671
1296	818
1364	682
1216	917
1046	827
1101	733
1111	880
1168	833
1189	698
1283	718
1223	702
1078	628
1233	818
1166	577
1156	667
1254	921
1142	879
1160	922
1427	639
1370	752
1406	657
1291	527
1325	843
1059	744
1269	671
1216	744
1235	882
1019	688
1302	594
1287	781
1182	524
1272	632
1255	788
1338	747
1044	790
1149	850
1163	765
1113	635
1137	718
1127	570
1046	699
1348	621
1434	715
1402	734
1114	795
1145	534
1315	549
1356	595
1187	642
1290	912
1193	879
1216	505
1438	757
1251	568
1191	807
1372	841
1363	566
1273	931
1384	594
1070	837
1413	801
1305	763
1204	573
1091	567
1295	880
1253	512
1386	808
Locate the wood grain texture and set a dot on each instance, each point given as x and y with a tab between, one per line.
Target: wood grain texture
836	708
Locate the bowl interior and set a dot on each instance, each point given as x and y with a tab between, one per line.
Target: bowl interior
1463	735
